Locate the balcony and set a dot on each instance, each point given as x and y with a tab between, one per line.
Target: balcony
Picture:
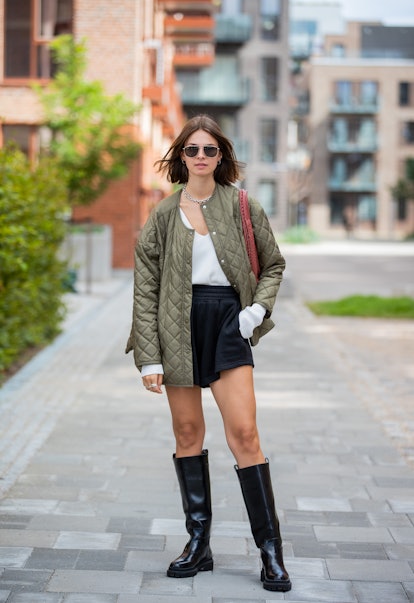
356	106
235	29
352	185
193	55
206	6
361	145
154	93
202	91
189	27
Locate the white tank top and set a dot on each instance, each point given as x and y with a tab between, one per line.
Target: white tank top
206	267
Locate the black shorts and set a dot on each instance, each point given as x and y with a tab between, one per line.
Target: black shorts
216	340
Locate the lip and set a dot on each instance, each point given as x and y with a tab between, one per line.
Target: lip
200	164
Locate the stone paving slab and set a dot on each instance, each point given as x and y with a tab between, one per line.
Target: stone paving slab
91	511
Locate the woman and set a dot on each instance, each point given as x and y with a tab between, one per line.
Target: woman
196	305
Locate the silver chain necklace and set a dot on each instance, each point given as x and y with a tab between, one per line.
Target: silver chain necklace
198	201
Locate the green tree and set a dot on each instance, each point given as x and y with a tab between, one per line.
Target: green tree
90	135
403	189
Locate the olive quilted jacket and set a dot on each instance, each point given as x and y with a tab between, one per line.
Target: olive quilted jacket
160	331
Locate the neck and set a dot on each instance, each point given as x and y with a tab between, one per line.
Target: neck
201	187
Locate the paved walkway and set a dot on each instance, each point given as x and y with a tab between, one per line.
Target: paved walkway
90	510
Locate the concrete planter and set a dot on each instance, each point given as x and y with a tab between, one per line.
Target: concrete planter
88	250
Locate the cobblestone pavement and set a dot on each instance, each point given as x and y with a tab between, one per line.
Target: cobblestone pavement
90	509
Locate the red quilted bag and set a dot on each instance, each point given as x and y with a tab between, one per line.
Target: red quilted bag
248	233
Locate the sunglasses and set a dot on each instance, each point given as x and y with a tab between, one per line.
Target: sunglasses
192	150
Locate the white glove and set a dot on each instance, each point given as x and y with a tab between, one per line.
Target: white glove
152	369
250	318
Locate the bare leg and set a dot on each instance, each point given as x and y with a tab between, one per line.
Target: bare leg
234	395
187	419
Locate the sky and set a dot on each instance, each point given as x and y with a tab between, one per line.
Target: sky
391	12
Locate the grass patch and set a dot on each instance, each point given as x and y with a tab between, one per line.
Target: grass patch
366	306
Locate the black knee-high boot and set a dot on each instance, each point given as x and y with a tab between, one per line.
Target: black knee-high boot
256	486
194	480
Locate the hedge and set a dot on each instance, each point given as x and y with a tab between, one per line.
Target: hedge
32	205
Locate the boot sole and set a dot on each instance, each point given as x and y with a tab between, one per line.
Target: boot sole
281	586
206	566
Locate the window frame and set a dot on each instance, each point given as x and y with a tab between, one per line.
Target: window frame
36	42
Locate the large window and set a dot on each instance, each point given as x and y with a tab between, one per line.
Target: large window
267	195
29	27
268	140
343	92
368	92
269	76
20	135
270	19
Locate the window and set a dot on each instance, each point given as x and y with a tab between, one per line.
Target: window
269	78
338	50
404	94
343	92
270	19
409	168
21	135
368	92
29	27
267	195
231	7
268	140
408	132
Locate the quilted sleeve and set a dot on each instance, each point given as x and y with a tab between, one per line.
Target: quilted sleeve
145	341
272	263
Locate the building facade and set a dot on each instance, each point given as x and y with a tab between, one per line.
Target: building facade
352	105
362	140
246	90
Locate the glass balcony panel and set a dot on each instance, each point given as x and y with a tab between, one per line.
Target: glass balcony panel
219	84
233	29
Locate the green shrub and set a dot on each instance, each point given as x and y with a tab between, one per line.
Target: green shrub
299	234
32	202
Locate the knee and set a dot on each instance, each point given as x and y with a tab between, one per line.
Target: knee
188	435
245	439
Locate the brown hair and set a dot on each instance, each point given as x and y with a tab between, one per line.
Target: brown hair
225	173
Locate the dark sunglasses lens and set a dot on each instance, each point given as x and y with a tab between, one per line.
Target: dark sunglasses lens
191	151
210	151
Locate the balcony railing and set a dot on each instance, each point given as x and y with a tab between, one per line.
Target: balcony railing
235	94
367	144
350	186
187	27
354	106
235	29
194	55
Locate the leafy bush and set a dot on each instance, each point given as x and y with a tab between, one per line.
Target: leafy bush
299	234
366	306
32	202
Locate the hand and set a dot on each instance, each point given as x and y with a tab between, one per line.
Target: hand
153	383
250	318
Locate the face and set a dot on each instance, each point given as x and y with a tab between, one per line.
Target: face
201	164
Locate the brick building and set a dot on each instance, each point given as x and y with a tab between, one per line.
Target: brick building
128	51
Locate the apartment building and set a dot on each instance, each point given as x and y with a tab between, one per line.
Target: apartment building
246	90
132	47
362	140
354	111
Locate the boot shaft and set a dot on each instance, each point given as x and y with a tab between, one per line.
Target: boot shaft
256	486
194	481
